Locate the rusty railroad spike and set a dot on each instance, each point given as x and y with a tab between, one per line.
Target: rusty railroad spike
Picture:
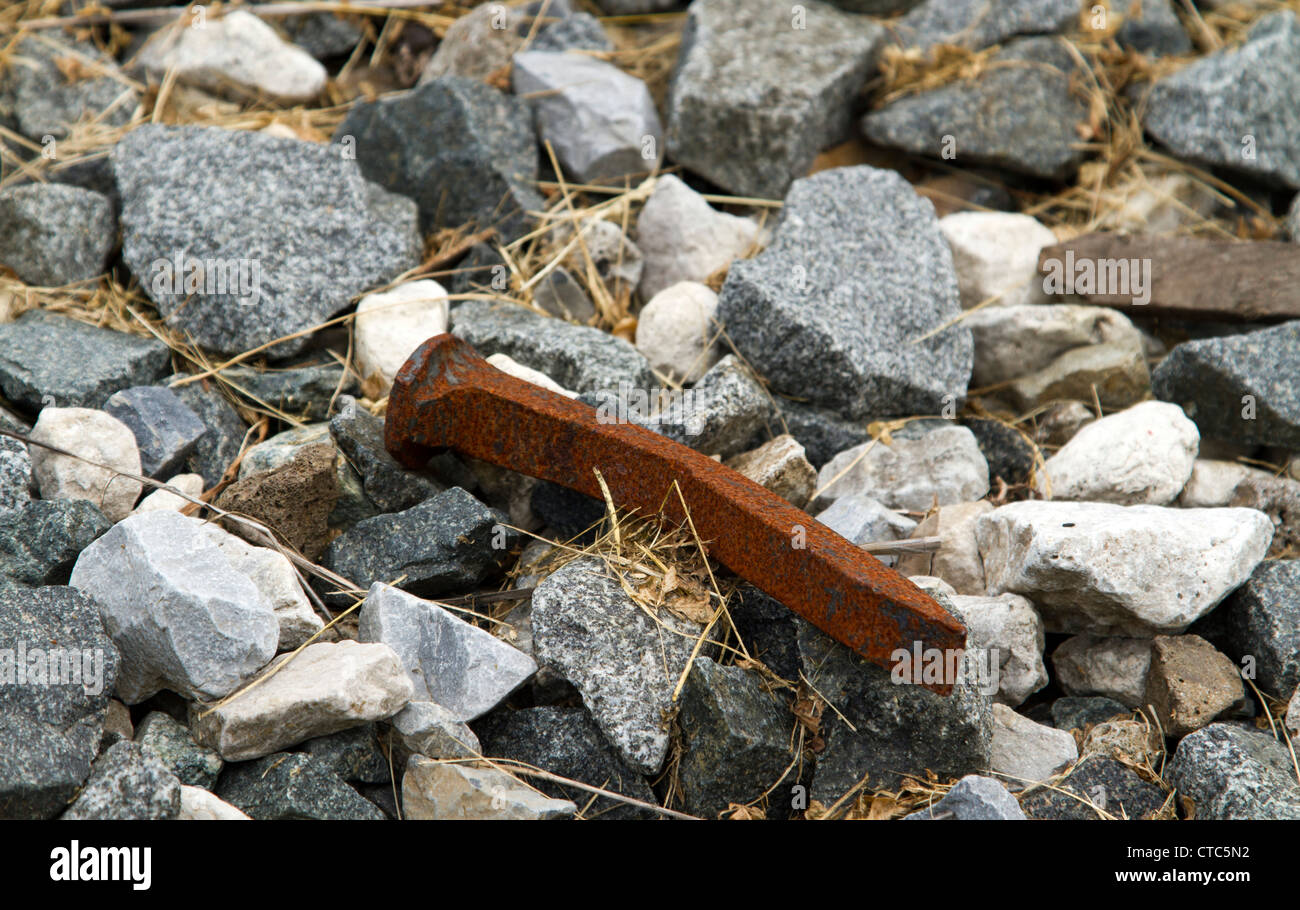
447	396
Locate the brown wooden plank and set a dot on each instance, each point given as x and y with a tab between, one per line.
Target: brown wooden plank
1188	276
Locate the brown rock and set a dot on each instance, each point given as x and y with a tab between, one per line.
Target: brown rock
1190	683
293	500
781	466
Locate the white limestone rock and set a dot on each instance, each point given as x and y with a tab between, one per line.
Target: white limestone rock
95	436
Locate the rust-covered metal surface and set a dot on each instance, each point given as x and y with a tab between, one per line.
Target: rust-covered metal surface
447	396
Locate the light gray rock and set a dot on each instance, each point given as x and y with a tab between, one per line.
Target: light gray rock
1231	772
600	120
129	782
1128	570
1213	482
560	295
720	415
860	519
459	666
1115	373
1141	455
577	31
435	791
325	688
779	465
834	310
957	561
976	24
52	234
238	55
389	326
624	663
1019	114
38	100
1009	628
683	238
1025	752
1014	341
1095	665
295	222
580	358
1232	108
182	617
752	122
429	729
198	804
482	41
677	332
190	484
996	257
96	437
973	798
945	463
165	430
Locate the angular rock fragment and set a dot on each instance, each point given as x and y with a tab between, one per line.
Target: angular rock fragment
96	439
1230	772
193	765
779	465
359	435
1010	631
431	790
38	99
129	782
52	234
1261	621
957	560
40	542
683	238
293	785
911	472
294	501
1097	787
974	798
1112	667
1025	752
165	430
1190	683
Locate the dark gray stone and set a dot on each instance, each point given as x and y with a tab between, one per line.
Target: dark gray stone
293	785
567	512
560	295
38	348
1235	108
1020	115
822	433
442	545
1152	27
360	437
1009	453
625	663
322	35
769	630
219	446
567	742
754	98
461	149
973	798
165	429
49	734
1238	388
831	311
15	474
296	223
195	765
352	755
129	782
735	738
1234	772
52	234
1112	786
580	358
726	409
38	100
302	392
579	31
899	728
1076	712
40	542
1261	620
977	24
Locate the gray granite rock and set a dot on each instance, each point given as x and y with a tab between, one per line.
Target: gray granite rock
753	121
40	542
353	754
294	229
38	100
735	738
832	310
1019	114
220	445
446	543
897	728
1238	388
293	785
37	347
580	358
193	764
182	617
165	429
129	782
428	729
1233	107
1077	712
977	24
624	663
1234	772
452	663
1261	620
567	742
15	474
461	149
579	31
303	392
49	734
600	121
1097	781
52	234
974	798
359	435
479	44
1151	26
